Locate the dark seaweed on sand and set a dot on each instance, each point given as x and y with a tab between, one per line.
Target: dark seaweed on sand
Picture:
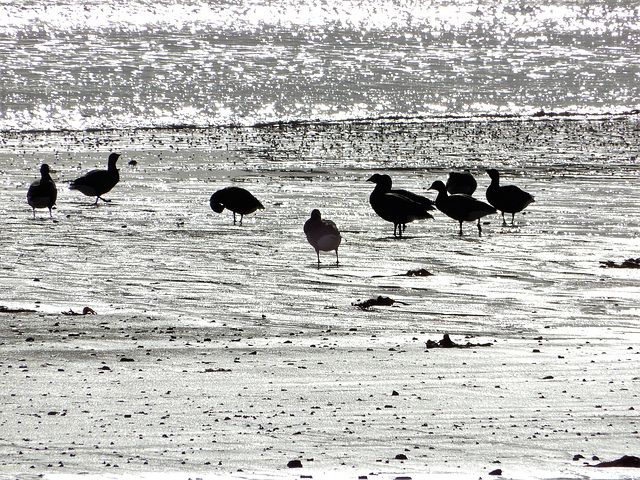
419	272
380	300
627	461
4	309
628	263
446	342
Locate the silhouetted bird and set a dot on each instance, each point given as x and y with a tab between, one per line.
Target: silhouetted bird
236	199
322	234
397	206
98	182
509	198
460	207
42	193
461	182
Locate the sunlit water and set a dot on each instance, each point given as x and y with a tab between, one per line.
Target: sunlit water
93	64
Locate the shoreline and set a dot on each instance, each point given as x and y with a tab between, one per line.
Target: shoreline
539	115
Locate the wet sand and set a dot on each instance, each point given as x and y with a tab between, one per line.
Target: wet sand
223	351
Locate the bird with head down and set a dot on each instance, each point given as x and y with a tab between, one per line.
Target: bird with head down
236	199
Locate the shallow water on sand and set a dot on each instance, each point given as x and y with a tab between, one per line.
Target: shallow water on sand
158	248
183	291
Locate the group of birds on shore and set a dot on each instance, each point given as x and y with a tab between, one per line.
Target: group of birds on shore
400	207
396	206
43	193
454	199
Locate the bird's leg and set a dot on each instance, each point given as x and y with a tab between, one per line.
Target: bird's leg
34	213
460	227
50	214
241	216
318	254
337	260
479	229
512	217
234	218
504	221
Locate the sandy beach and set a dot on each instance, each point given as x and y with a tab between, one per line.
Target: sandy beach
222	351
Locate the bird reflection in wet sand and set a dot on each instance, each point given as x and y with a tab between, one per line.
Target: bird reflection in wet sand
508	198
460	207
42	193
322	234
98	182
236	199
397	206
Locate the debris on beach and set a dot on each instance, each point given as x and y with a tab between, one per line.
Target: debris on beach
628	263
419	272
380	300
4	309
625	461
446	342
85	311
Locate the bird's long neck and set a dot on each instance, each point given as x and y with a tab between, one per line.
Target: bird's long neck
382	187
442	196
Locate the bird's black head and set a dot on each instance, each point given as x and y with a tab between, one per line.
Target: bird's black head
381	180
493	173
438	185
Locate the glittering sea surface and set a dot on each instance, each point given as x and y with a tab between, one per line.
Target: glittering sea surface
78	64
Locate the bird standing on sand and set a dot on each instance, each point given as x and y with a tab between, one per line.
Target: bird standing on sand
460	207
42	193
461	182
508	198
236	199
98	182
322	234
397	206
